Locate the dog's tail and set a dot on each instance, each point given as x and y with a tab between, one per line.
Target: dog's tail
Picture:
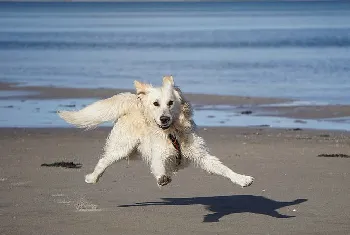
101	111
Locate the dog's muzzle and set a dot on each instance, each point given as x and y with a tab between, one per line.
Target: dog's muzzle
165	122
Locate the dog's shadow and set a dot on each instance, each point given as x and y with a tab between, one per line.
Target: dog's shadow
220	206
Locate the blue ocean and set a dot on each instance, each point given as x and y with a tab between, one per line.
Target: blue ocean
297	50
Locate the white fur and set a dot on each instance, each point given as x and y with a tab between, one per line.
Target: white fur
101	111
137	132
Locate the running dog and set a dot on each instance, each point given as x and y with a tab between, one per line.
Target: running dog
155	124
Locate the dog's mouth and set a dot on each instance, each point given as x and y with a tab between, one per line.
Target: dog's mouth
164	122
164	126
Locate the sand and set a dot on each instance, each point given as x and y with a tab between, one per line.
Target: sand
257	105
68	92
295	191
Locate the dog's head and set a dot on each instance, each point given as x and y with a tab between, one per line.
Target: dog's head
161	104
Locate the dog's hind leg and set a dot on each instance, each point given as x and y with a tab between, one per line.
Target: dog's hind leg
213	165
118	146
198	153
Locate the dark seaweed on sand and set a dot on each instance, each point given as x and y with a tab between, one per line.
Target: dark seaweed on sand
340	155
68	105
247	112
295	129
63	164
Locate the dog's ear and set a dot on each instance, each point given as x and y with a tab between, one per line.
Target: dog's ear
168	80
141	88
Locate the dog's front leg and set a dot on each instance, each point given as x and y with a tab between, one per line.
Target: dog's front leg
159	171
199	154
118	146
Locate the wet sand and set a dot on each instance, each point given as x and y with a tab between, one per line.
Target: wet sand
64	93
253	104
295	191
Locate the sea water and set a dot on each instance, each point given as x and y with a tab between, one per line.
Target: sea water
297	50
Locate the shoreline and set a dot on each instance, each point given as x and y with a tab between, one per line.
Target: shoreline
243	131
53	92
33	106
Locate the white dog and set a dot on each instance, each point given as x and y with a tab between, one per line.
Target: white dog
156	124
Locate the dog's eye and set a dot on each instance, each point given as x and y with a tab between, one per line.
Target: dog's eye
156	103
170	103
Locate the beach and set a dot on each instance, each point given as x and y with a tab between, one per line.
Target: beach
295	192
269	85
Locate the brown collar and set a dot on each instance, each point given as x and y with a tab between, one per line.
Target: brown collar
177	146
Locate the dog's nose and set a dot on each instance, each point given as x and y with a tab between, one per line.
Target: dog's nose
164	119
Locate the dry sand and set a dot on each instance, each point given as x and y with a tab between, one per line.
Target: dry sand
295	191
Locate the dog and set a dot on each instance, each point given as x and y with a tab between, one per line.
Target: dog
155	124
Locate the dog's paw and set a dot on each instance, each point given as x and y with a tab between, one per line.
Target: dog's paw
91	179
164	180
245	181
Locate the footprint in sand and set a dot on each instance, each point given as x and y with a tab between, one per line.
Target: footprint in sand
21	183
63	201
80	205
58	195
60	198
83	205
